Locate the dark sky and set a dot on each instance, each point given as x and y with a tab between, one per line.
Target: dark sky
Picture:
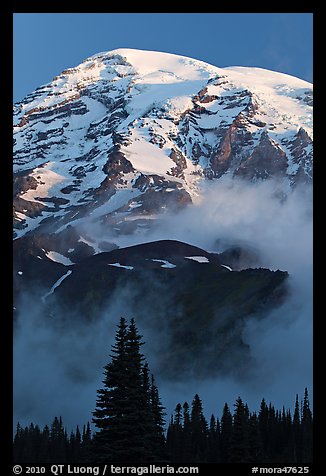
47	43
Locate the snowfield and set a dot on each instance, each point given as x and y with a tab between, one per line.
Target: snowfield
167	113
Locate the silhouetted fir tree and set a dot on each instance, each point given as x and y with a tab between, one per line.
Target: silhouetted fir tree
26	444
138	410
226	434
170	445
58	442
291	440
18	444
198	430
240	434
22	444
284	435
254	439
273	441
144	400
297	432
272	437
30	445
246	410
186	432
174	437
213	441
111	406
263	419
67	445
153	418
26	441
45	453
86	444
37	443
178	416
158	413
78	442
78	438
307	430
33	443
218	439
124	412
71	450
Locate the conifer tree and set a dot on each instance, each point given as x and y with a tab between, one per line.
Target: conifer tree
240	434
213	452
198	429
297	431
86	444
58	442
157	412
153	418
226	434
45	453
77	448
18	445
273	441
170	440
186	450
111	407
307	430
254	439
263	419
178	416
128	412
174	439
72	448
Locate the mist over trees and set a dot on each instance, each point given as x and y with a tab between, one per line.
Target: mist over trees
130	424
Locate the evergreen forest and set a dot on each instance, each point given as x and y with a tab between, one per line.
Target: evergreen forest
131	425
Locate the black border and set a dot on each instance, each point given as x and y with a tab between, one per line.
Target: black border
6	88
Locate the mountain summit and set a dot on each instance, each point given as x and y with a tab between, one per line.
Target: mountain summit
129	133
109	146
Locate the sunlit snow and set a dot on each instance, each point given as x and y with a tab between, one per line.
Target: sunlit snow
66	153
58	257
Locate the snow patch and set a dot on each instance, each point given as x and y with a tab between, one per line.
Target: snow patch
56	284
47	179
58	258
199	259
227	267
118	265
146	157
166	264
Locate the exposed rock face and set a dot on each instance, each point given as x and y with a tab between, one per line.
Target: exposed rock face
131	127
301	149
112	144
267	160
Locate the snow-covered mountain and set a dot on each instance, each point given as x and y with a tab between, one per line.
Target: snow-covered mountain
109	146
128	134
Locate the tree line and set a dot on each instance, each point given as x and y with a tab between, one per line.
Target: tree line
130	424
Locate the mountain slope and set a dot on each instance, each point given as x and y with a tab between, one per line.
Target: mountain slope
129	134
191	303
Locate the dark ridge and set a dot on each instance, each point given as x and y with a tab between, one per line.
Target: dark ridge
161	249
